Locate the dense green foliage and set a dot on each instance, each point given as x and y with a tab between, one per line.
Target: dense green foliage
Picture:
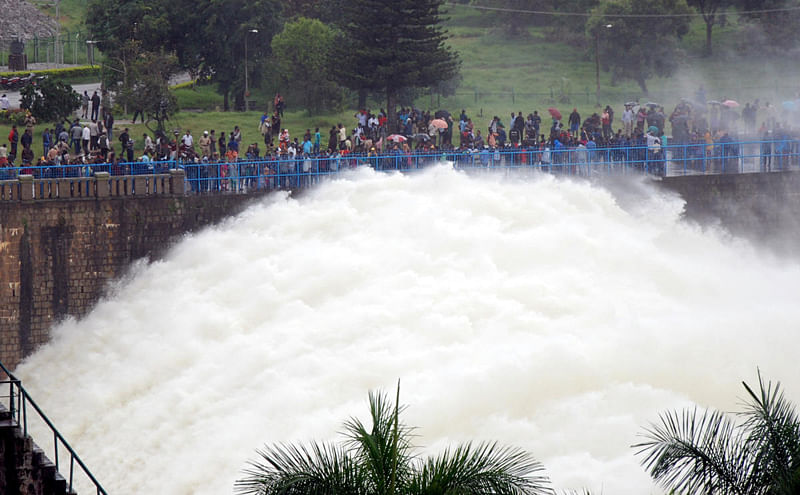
302	56
64	73
635	48
709	452
392	46
207	36
50	100
377	459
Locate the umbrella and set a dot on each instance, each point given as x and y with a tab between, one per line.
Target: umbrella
421	137
554	113
789	105
713	102
439	124
631	104
441	114
653	104
653	129
397	138
730	103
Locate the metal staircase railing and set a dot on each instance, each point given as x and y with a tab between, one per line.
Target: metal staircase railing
17	403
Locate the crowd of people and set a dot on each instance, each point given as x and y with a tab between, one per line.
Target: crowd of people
638	134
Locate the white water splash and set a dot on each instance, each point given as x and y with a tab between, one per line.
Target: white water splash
536	312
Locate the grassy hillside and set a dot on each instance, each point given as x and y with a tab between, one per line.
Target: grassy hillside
501	75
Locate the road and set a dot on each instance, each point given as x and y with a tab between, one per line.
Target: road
14	96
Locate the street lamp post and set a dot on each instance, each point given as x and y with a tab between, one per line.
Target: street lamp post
597	59
246	86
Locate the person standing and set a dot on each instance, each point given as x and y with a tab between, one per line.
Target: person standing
86	136
13	139
125	147
574	122
94	131
4	103
85	104
108	120
47	141
627	121
95	106
223	144
205	145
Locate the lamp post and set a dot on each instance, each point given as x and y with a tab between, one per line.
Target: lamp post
246	86
597	59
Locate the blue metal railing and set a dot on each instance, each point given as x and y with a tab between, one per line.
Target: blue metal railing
302	171
18	401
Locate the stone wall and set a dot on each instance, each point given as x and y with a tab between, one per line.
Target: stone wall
57	256
763	207
24	467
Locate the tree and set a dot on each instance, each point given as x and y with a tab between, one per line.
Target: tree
774	29
515	16
708	452
219	45
301	55
148	91
391	46
378	459
50	101
639	48
709	9
207	36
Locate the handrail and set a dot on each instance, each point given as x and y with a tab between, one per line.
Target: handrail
19	398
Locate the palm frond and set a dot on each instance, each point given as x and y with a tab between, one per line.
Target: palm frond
301	470
774	432
690	452
480	469
381	450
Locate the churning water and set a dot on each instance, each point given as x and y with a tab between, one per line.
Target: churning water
534	311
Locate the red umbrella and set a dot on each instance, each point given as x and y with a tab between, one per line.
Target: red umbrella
397	138
554	113
730	103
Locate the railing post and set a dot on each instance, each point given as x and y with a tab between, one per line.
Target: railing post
26	187
177	182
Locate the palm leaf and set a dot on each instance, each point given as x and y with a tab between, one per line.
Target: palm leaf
774	432
485	468
383	450
296	470
689	452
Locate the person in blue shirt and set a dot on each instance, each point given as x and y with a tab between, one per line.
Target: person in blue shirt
46	141
317	138
307	146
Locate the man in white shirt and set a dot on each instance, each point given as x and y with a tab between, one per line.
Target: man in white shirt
627	121
86	135
187	140
4	103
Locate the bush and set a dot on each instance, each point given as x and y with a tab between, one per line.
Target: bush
12	117
79	71
184	85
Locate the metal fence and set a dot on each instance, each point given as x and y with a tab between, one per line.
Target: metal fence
23	410
302	171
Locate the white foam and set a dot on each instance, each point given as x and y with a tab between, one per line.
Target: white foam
536	312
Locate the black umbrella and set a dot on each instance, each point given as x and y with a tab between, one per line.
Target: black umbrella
441	114
421	137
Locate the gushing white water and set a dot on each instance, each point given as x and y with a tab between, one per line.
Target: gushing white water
536	312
